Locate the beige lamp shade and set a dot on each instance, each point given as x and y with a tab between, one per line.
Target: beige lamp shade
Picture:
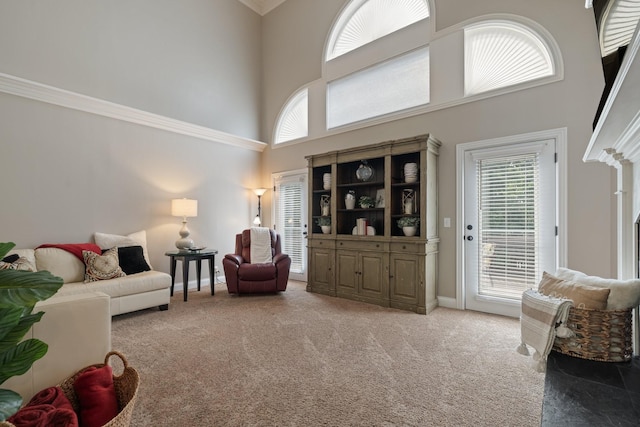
260	191
184	207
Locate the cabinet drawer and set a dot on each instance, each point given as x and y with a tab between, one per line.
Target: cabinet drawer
322	243
362	245
408	248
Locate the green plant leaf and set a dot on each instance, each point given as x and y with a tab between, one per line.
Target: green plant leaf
10	403
26	288
14	327
5	248
18	360
9	319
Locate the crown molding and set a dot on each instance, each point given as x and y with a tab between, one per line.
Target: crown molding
40	92
262	7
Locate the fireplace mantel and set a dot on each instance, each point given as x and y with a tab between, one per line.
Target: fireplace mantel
616	141
617	133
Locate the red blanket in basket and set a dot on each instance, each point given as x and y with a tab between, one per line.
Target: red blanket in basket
48	408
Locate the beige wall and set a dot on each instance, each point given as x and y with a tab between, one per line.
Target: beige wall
67	174
570	103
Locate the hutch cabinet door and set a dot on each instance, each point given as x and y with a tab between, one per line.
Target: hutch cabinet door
321	272
346	272
406	278
373	274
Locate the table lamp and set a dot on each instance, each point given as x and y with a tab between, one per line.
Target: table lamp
184	208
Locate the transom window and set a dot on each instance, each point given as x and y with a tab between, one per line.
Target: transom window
364	21
391	86
500	54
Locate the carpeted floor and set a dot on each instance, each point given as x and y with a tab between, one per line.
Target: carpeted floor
302	359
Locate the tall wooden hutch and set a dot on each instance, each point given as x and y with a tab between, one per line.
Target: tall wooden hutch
376	262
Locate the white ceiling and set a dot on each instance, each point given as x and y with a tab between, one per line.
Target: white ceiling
262	6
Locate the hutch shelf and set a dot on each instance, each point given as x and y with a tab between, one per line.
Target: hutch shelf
362	193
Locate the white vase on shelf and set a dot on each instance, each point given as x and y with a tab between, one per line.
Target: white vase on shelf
350	200
326	181
326	229
409	231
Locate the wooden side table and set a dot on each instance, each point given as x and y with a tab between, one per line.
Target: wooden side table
186	257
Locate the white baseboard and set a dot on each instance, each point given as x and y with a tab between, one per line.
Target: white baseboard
447	302
193	284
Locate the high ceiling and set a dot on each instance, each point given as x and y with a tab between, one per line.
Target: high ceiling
262	6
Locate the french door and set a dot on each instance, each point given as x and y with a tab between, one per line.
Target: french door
509	223
290	214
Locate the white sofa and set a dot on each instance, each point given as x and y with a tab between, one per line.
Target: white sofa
77	329
129	293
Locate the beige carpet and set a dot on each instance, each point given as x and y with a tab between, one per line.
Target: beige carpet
302	359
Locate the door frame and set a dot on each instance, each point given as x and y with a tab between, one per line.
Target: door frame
560	137
274	177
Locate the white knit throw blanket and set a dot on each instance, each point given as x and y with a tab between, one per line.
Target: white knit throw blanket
543	317
260	245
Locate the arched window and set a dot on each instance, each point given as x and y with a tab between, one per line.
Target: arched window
293	122
500	54
364	21
617	25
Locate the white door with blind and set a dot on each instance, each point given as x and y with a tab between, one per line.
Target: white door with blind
290	219
510	217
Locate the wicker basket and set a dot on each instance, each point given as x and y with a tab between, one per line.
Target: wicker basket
602	335
126	385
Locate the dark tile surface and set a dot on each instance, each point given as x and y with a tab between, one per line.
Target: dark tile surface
580	392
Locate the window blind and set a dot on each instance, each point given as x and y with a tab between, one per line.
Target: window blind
508	203
290	222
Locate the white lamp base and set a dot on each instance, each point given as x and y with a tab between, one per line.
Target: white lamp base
184	242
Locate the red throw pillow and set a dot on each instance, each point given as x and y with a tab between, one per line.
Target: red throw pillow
96	396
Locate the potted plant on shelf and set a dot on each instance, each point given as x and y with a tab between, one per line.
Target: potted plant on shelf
409	225
366	202
325	224
20	290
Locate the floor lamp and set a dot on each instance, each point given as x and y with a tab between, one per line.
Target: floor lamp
258	219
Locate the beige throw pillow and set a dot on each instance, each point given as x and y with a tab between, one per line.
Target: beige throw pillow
583	296
624	293
102	267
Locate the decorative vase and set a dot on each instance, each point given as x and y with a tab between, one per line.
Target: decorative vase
409	231
326	181
410	172
326	229
350	200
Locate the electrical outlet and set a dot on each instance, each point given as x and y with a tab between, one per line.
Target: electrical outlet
216	270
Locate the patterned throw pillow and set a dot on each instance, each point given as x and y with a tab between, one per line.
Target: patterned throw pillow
20	263
101	267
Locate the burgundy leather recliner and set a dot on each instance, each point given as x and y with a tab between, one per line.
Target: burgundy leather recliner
244	277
